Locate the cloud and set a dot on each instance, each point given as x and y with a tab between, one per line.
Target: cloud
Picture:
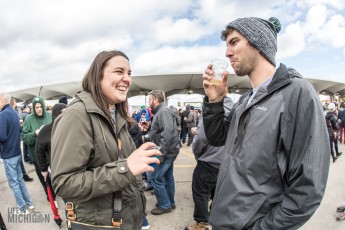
51	41
181	59
291	42
182	30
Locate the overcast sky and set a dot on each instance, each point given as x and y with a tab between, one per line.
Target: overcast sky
53	41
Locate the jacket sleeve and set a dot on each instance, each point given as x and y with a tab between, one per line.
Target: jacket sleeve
334	123
41	151
72	149
166	124
199	141
28	134
306	145
3	129
216	127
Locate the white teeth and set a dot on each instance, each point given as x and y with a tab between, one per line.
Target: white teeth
121	88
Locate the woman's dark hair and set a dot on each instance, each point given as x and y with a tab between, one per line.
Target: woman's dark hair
92	84
342	104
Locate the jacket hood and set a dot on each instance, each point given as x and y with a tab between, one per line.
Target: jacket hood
41	101
57	110
329	114
282	76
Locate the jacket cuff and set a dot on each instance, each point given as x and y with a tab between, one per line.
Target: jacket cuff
212	108
122	169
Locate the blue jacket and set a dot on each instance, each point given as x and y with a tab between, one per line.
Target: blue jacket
9	133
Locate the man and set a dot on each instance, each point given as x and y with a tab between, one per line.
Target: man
11	154
341	118
163	133
26	111
276	163
13	104
184	119
32	127
332	128
205	173
191	123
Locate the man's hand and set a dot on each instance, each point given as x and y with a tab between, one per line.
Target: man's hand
215	93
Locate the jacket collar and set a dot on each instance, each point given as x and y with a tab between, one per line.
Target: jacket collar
155	109
5	106
91	107
282	76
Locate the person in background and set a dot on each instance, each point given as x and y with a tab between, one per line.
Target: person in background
205	173
191	123
11	154
63	100
95	165
136	135
184	119
276	154
332	127
43	144
26	111
31	128
13	104
163	132
341	119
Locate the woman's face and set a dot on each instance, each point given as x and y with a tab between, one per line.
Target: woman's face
116	80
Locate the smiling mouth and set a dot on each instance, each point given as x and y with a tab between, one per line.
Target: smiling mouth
122	88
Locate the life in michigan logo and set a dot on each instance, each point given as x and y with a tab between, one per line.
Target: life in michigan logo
15	216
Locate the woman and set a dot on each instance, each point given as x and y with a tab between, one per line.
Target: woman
95	165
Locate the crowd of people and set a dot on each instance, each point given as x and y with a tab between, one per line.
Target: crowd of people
263	161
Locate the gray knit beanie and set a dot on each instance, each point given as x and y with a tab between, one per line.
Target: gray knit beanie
262	34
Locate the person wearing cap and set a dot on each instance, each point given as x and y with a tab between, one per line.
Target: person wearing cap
332	128
275	167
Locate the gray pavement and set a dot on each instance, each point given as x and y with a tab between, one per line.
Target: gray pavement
324	218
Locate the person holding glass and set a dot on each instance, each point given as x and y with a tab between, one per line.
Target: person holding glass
96	167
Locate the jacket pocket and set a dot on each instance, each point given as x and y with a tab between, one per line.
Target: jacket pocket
252	211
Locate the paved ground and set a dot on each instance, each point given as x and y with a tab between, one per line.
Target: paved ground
323	219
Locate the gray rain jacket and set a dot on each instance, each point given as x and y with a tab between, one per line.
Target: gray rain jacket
163	131
202	150
275	168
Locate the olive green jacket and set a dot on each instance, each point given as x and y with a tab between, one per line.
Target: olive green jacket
85	165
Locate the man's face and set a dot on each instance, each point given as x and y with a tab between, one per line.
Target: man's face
38	109
243	56
27	110
152	101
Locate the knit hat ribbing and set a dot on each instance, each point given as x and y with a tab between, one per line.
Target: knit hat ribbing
262	34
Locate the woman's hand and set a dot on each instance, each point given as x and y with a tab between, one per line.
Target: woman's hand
138	162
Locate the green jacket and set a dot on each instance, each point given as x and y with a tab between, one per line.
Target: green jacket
32	123
86	169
